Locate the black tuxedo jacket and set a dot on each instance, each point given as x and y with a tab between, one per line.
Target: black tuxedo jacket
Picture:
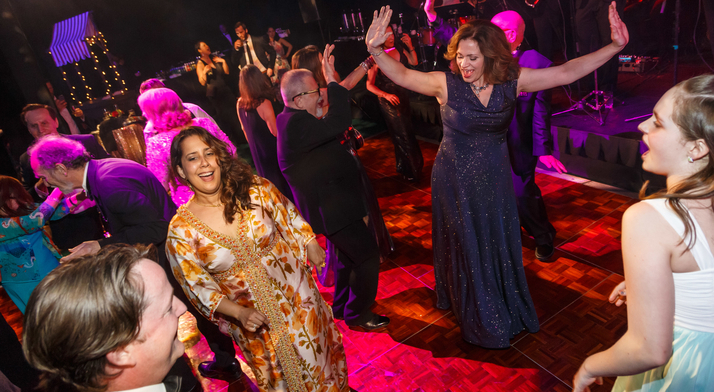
322	174
135	206
73	229
263	50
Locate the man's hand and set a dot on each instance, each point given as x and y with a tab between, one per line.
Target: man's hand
328	64
85	248
42	188
269	72
393	99
429	9
238	44
61	104
552	162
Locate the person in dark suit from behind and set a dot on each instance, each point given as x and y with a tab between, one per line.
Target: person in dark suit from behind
85	224
121	332
136	209
252	50
326	184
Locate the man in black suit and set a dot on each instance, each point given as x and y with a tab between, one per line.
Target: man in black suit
252	50
328	191
136	209
73	229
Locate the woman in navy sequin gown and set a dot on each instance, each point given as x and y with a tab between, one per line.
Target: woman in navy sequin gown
476	235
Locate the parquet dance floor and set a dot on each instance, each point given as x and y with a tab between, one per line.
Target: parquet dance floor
422	349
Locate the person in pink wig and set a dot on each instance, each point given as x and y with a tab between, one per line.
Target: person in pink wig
165	110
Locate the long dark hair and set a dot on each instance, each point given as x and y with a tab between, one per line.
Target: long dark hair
254	88
499	65
236	175
693	112
11	188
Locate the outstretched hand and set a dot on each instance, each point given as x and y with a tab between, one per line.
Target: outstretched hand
377	33
618	31
328	64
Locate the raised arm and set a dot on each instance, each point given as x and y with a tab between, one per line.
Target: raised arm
15	227
432	83
541	79
647	244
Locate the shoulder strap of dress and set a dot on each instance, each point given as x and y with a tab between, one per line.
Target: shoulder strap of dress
701	252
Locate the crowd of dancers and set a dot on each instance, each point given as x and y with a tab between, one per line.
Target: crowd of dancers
238	249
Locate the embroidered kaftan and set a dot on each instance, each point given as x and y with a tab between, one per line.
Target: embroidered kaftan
263	267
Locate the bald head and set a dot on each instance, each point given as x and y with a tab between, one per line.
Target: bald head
513	25
295	82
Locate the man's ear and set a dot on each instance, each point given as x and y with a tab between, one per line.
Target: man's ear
122	357
60	168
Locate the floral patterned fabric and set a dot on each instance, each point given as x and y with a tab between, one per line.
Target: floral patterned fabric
158	157
27	253
263	267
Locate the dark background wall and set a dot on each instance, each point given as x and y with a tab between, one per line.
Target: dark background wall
153	35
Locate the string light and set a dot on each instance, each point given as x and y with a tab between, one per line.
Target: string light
87	89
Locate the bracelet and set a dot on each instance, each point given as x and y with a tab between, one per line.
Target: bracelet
365	66
376	54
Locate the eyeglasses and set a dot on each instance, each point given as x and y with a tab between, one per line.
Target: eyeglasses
306	93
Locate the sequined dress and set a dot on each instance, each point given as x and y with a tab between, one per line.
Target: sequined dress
478	262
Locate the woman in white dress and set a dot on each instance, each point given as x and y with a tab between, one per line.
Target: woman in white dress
666	250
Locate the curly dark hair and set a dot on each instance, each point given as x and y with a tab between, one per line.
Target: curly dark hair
499	65
236	175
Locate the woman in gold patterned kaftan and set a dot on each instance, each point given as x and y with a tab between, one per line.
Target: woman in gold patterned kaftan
239	248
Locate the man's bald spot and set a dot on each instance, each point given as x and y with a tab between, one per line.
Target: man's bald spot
510	20
293	83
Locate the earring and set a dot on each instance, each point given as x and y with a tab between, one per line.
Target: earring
690	160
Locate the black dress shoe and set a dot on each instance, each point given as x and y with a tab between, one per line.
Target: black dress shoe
544	252
228	372
375	322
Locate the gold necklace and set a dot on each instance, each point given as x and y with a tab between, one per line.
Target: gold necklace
477	90
208	205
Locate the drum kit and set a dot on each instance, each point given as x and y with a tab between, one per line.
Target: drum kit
455	13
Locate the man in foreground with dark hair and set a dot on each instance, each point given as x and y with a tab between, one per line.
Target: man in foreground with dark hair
137	210
119	331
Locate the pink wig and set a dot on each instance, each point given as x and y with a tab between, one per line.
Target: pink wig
164	108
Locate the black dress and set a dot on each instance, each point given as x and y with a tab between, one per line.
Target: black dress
264	147
478	261
223	102
399	125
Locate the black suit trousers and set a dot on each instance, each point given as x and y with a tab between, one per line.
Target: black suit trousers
356	272
531	208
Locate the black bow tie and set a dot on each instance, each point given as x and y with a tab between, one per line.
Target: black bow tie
172	383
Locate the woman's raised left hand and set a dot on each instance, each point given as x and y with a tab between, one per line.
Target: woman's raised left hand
618	31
